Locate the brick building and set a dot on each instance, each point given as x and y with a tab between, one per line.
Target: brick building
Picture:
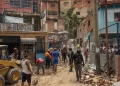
84	8
51	9
20	20
65	5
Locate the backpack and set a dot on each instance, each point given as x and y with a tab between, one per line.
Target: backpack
78	59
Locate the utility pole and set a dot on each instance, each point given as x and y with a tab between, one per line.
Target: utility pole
107	54
97	51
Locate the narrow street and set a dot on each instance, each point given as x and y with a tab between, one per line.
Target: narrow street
62	78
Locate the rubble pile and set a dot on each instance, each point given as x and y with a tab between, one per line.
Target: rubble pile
91	79
96	81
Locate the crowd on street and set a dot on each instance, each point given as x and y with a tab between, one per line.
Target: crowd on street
53	56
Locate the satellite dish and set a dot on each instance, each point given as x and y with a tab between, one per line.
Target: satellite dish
42	15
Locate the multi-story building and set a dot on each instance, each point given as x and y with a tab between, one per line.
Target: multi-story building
20	25
51	9
65	5
113	11
84	8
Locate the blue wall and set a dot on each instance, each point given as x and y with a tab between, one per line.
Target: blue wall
101	18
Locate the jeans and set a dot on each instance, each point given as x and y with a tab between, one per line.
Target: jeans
47	63
64	58
40	65
71	64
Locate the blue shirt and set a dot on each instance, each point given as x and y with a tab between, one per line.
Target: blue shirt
55	54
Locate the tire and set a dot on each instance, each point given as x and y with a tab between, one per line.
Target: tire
2	81
13	76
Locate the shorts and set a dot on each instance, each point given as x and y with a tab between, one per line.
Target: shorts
26	77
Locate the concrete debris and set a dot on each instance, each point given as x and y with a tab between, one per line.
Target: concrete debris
96	81
91	79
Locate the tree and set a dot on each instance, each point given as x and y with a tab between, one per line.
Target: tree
71	22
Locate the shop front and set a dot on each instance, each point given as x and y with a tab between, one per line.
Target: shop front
11	42
28	47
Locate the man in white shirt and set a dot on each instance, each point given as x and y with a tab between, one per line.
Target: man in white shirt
26	70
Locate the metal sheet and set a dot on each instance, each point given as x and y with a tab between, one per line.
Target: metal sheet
28	40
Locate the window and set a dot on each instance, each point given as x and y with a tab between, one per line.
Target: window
35	6
15	3
20	3
25	3
52	5
52	12
66	3
88	1
55	20
117	16
78	13
89	23
6	2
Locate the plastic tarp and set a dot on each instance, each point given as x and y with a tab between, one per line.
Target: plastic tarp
10	19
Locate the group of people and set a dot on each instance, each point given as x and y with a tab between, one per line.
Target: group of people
111	49
52	57
76	59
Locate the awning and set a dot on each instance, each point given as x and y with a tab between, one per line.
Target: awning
28	40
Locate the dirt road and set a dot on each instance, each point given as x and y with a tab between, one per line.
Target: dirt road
62	78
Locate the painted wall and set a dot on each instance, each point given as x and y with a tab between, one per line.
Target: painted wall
101	18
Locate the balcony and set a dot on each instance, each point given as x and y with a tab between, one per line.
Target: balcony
16	27
109	2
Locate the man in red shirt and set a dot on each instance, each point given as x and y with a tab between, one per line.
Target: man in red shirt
39	63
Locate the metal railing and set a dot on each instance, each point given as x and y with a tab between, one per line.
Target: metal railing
16	27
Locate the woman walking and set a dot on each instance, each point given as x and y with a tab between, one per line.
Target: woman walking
48	58
55	59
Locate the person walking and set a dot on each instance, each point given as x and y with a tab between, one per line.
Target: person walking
51	60
55	59
70	56
48	58
64	54
26	70
78	62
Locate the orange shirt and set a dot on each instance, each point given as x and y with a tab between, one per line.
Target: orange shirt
47	54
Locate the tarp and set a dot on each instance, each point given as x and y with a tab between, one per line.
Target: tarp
10	19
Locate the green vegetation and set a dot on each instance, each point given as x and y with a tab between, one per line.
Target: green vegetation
71	22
